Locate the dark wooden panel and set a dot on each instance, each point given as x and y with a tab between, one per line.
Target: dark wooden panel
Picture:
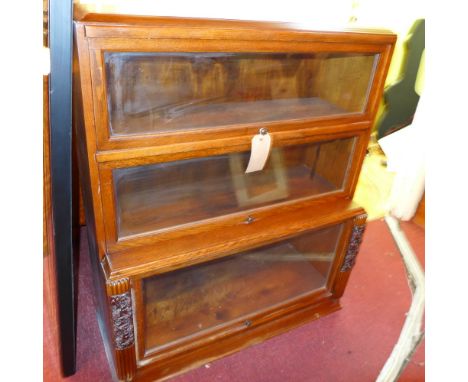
60	89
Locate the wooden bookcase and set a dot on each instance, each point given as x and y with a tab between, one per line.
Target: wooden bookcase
193	258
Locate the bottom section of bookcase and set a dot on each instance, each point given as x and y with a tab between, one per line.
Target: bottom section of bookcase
163	324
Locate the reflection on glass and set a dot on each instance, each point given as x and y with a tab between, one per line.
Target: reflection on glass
164	195
195	299
160	92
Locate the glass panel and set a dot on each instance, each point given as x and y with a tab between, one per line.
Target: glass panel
193	300
163	195
161	92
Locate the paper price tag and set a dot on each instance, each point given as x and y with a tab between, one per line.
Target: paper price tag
259	152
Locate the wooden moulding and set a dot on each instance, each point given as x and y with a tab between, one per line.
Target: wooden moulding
355	231
121	309
303	133
354	242
196	247
141	27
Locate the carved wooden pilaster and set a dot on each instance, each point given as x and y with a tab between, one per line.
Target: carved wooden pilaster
120	304
354	242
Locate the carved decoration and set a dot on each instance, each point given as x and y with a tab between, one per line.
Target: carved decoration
122	319
354	243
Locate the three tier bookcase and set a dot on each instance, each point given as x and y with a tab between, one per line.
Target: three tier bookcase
193	258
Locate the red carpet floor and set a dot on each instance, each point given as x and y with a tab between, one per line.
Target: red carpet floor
350	345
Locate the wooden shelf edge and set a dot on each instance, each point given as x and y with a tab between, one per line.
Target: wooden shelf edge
118	265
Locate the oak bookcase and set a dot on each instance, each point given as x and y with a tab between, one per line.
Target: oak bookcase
192	257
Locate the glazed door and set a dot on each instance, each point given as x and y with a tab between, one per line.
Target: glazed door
157	93
172	194
144	203
179	93
197	302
